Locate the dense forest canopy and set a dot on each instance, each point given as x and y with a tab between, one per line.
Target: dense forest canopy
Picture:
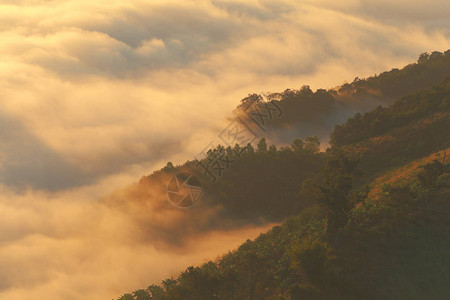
260	183
402	112
308	112
366	219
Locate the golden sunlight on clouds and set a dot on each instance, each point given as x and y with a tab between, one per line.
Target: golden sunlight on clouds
95	94
69	246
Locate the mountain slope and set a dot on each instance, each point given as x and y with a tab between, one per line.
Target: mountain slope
309	113
388	236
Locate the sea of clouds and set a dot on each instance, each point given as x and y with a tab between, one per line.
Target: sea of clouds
96	94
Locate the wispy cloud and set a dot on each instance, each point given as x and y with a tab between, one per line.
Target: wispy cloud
95	94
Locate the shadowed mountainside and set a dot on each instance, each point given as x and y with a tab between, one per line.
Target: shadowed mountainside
308	113
373	220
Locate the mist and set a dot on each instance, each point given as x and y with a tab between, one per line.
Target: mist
68	245
95	95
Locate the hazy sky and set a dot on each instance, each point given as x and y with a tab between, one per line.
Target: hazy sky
95	94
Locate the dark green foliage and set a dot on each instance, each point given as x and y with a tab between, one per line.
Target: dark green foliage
312	259
395	246
397	249
429	70
312	144
127	297
259	269
156	292
266	183
304	109
317	112
169	166
430	173
304	292
333	193
262	145
199	283
262	183
273	149
401	113
297	145
141	295
403	255
413	127
443	180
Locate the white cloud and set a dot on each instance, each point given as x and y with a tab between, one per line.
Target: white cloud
96	94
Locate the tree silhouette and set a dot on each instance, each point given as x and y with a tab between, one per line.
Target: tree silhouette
262	145
334	193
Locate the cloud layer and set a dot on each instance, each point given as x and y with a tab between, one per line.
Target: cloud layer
105	85
69	246
95	94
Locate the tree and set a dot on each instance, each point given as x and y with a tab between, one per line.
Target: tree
142	295
169	166
250	268
305	90
250	148
334	193
311	259
237	149
155	291
249	101
273	149
262	145
126	297
430	173
312	144
423	58
297	145
199	282
169	284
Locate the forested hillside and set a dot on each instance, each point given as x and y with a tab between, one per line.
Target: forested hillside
413	127
260	183
372	210
308	113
